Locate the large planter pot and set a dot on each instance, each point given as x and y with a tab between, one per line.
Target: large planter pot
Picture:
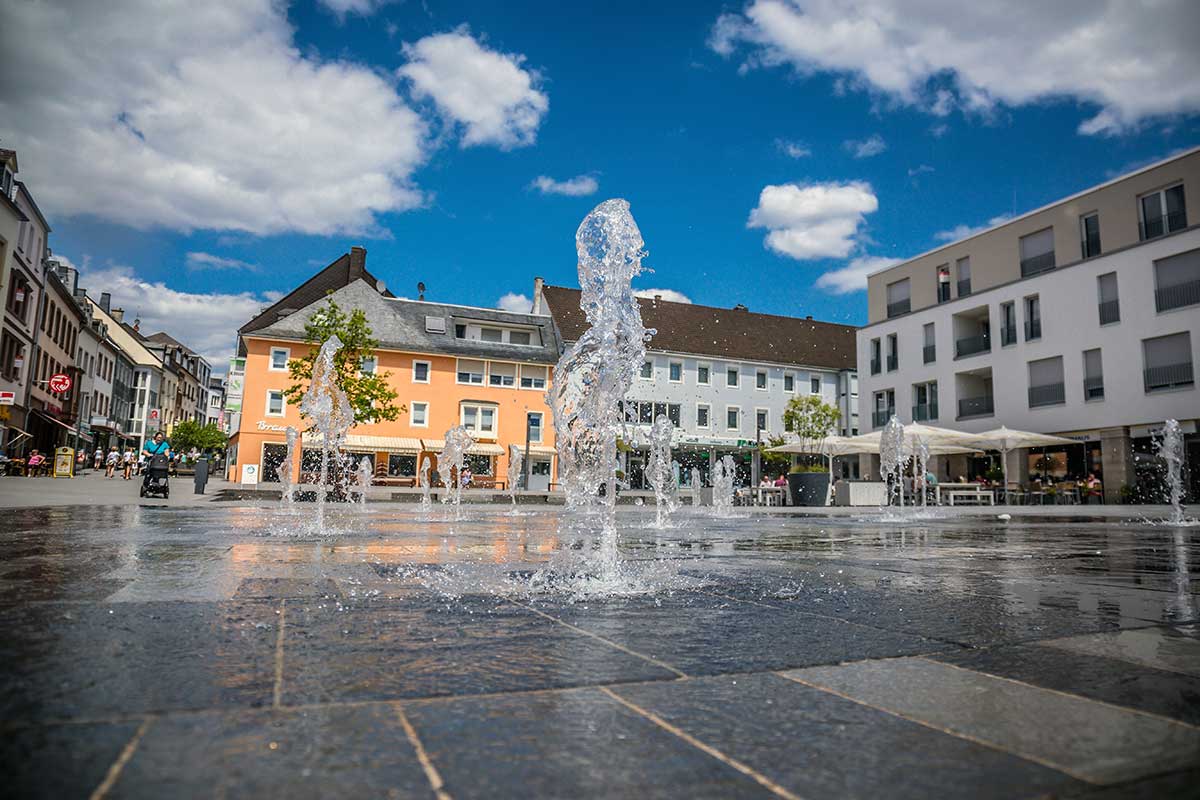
808	488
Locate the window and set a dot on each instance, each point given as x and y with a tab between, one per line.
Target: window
884	407
1037	252
673	414
470	371
814	385
1093	376
925	402
491	334
760	419
760	379
733	418
645	413
943	283
435	324
11	358
1162	212
460	331
789	382
1008	323
1106	291
19	296
479	419
1177	281
893	352
1046	386
533	421
369	363
647	372
731	376
963	267
502	374
279	358
702	372
533	377
1168	362
1089	235
519	337
420	372
876	358
702	412
1033	318
275	404
929	346
420	414
675	372
898	298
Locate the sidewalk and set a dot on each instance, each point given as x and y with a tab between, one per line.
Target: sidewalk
92	488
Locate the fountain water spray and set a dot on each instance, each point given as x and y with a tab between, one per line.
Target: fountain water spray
362	478
328	407
723	473
288	497
516	460
697	486
450	463
1170	450
921	460
423	479
661	470
892	456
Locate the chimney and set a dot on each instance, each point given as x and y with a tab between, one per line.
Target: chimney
657	300
740	307
118	315
809	316
538	283
421	291
105	301
358	264
137	324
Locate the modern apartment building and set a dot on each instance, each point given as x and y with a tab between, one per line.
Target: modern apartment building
1080	318
722	376
451	365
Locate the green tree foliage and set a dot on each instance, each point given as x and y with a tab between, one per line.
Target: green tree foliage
773	463
372	399
189	433
811	419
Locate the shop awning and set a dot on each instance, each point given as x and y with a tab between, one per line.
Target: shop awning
360	443
21	435
477	449
55	420
538	450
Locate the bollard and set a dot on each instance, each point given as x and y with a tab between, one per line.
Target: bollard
201	474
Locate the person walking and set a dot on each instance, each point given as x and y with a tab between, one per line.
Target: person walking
99	459
127	459
111	461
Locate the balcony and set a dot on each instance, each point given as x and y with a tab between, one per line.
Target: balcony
924	412
1157	226
929	352
1110	311
976	407
1037	264
1050	394
899	307
1008	335
1093	388
1033	329
881	418
893	363
972	345
1171	376
964	287
1177	296
875	366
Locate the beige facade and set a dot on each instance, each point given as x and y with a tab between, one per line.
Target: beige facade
994	255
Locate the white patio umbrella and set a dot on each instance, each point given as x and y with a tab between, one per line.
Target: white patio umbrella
1003	439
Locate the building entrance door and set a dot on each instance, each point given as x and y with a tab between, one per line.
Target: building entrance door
539	474
272	457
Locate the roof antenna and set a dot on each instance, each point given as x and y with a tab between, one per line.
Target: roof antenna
421	290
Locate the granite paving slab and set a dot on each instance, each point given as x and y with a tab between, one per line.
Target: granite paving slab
819	745
570	744
1172	649
1092	741
60	761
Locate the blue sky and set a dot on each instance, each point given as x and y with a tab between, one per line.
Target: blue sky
689	111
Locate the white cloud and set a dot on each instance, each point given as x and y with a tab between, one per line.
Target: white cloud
670	295
204	115
1130	59
514	302
865	148
793	149
939	130
963	231
579	186
205	322
488	93
818	220
364	8
198	261
920	169
853	276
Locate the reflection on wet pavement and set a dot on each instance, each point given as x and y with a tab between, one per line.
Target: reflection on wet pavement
148	649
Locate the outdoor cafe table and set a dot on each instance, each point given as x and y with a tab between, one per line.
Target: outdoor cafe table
767	495
951	487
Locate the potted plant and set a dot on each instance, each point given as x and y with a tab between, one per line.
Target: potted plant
811	420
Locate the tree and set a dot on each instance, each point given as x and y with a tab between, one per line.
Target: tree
370	396
774	462
189	433
811	419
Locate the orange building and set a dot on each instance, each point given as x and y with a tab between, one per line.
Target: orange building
485	369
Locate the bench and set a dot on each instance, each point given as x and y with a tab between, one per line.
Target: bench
978	495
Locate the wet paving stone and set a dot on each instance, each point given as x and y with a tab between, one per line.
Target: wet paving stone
72	660
705	635
288	588
578	743
1122	683
60	761
816	744
1091	741
338	751
424	648
1172	649
1184	785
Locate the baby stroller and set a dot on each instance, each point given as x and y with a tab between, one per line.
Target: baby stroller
156	482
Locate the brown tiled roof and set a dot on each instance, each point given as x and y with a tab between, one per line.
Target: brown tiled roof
723	332
162	337
348	268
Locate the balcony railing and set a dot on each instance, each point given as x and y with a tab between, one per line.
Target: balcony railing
881	418
924	412
1110	311
1033	329
875	366
929	352
972	345
1008	335
1093	388
1177	296
1157	226
893	363
1050	394
899	307
964	287
1171	376
1090	246
1037	264
976	407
